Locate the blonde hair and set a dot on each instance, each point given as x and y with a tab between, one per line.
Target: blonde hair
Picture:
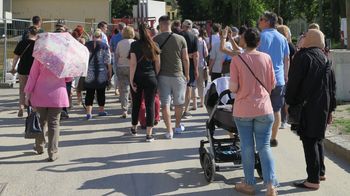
314	26
98	33
285	31
128	33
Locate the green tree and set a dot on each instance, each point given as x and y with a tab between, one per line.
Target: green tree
233	12
122	8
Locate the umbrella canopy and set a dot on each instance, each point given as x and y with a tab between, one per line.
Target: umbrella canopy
63	55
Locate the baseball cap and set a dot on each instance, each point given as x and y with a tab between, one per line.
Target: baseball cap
60	23
195	32
187	23
235	29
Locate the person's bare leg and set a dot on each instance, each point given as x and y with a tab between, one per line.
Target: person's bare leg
194	98
178	115
88	110
149	130
276	125
79	97
167	118
188	98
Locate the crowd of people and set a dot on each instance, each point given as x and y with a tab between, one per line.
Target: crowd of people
167	68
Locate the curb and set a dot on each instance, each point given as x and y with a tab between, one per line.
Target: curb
339	145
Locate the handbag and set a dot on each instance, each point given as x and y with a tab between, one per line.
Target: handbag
205	68
32	127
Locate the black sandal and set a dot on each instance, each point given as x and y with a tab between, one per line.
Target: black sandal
301	184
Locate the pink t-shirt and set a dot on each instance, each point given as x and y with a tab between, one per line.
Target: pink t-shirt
252	99
47	90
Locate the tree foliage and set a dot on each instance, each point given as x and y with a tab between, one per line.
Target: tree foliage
122	8
238	12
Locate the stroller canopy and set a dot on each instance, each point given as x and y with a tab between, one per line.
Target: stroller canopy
215	88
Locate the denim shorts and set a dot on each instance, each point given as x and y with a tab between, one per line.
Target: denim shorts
170	86
277	98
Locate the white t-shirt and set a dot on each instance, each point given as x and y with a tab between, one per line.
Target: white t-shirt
215	38
122	52
105	39
218	56
202	47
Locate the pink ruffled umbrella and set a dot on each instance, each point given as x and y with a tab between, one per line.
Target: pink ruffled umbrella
62	54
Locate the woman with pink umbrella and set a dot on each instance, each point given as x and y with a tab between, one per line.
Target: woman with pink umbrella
57	58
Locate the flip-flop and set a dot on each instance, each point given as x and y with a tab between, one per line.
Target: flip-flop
302	185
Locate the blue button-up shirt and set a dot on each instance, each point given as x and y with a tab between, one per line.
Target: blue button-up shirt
276	45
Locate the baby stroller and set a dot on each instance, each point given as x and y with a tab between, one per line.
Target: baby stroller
219	101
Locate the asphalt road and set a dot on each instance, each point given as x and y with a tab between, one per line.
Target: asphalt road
99	157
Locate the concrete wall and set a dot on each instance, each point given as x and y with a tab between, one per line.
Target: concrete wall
155	9
76	10
341	64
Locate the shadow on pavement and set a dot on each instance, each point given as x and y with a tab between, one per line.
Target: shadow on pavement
293	189
338	161
151	183
125	160
123	139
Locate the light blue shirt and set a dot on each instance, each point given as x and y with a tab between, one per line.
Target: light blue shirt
276	45
114	41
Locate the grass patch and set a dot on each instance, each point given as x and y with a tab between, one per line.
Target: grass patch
343	124
348	109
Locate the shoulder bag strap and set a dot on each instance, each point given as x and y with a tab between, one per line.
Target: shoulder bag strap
25	50
161	46
94	52
253	73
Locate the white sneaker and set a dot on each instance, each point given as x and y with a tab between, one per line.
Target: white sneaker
169	135
283	126
180	129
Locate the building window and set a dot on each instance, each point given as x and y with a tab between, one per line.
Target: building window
172	15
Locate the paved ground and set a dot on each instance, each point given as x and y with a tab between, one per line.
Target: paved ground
99	157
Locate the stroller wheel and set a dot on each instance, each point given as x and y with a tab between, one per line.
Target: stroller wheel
208	167
258	165
202	152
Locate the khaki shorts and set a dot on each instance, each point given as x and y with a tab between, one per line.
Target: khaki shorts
174	87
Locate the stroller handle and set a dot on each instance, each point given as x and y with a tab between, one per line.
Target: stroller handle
225	92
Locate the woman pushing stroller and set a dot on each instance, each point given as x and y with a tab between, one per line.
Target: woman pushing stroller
252	79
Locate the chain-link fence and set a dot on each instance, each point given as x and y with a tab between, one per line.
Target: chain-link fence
12	30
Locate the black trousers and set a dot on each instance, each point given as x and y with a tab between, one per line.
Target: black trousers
90	95
147	85
314	156
69	92
215	76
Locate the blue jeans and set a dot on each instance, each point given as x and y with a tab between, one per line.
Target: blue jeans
258	129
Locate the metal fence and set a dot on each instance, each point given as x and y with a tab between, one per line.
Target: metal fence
11	31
